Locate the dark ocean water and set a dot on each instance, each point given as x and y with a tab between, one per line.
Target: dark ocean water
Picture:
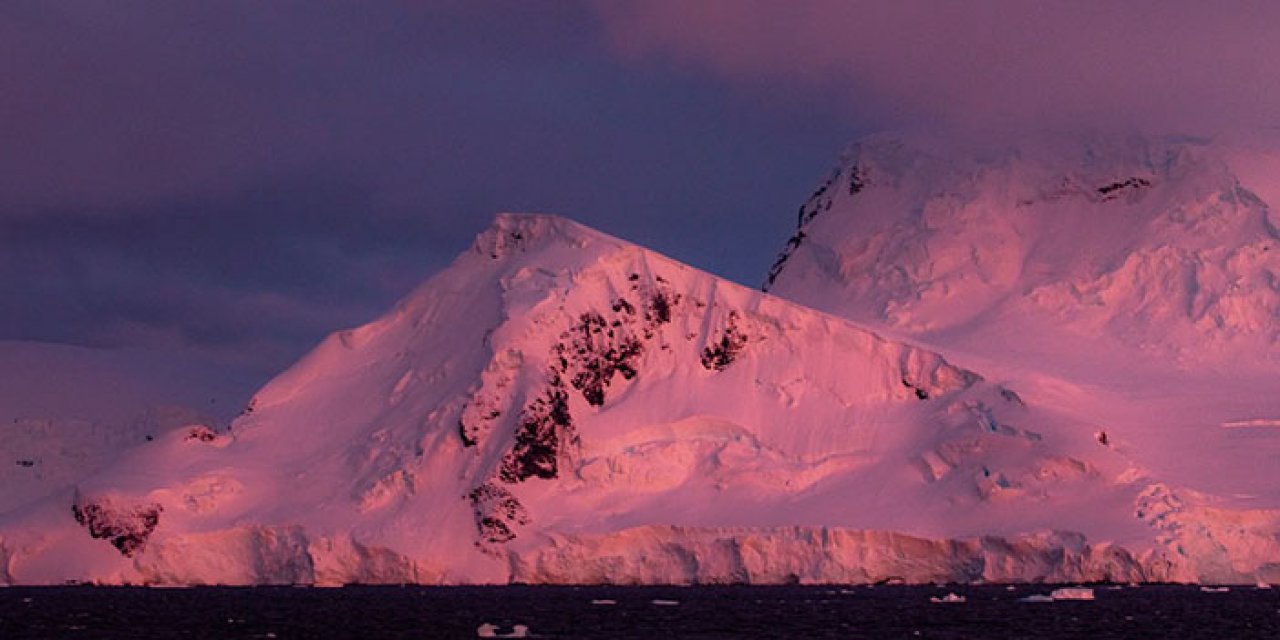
635	612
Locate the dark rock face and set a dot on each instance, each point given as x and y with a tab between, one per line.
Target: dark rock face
722	352
589	356
490	400
596	350
857	180
1010	396
775	270
200	433
537	448
658	310
921	393
470	433
505	243
126	529
598	347
1115	189
464	434
820	201
497	513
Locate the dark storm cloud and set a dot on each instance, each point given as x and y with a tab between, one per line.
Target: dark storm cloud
234	179
267	267
118	102
983	65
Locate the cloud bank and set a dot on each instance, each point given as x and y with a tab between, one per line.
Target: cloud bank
234	179
1191	67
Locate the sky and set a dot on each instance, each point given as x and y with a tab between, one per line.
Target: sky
232	180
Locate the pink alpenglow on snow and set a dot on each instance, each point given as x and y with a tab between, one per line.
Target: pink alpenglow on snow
1026	378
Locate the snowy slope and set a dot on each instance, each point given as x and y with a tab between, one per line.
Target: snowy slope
66	410
561	406
1132	281
1154	246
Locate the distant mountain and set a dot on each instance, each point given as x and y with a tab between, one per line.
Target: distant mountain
561	406
65	411
1131	281
1160	249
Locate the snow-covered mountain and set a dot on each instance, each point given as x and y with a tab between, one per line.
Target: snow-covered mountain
1159	248
1131	281
66	411
561	406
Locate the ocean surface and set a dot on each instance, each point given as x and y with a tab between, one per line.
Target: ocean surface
633	612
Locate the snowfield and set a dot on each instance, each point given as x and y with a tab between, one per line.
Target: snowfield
68	411
560	406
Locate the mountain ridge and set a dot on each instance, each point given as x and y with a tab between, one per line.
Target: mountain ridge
608	389
559	405
1132	237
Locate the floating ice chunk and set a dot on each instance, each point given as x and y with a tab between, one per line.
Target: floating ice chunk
1262	585
604	602
949	598
1245	424
488	630
1072	593
1215	589
1036	597
666	603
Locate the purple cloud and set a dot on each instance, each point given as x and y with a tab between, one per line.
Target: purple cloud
1193	67
234	179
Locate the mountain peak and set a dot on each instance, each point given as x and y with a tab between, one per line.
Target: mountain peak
561	381
1154	242
515	232
561	405
938	164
